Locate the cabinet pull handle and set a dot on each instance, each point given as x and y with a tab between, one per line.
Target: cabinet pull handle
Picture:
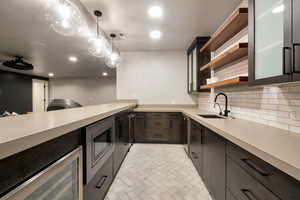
201	136
101	182
284	60
294	57
255	167
194	155
249	194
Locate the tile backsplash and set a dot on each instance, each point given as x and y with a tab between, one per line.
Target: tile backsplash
277	106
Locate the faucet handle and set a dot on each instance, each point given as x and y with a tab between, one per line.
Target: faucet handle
226	112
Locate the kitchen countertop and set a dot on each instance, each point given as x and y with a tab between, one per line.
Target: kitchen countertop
22	132
276	146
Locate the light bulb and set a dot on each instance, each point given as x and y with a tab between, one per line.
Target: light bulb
64	17
98	46
98	42
114	57
113	60
65	24
64	11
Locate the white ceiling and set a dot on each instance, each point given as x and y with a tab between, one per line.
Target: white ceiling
25	31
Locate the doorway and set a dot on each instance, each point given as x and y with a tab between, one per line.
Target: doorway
39	95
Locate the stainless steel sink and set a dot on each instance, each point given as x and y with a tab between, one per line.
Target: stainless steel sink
211	116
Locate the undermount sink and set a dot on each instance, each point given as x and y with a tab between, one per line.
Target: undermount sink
211	116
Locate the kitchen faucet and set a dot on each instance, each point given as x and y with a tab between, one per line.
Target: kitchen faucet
226	111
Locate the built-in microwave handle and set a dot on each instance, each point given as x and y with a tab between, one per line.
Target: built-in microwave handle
284	50
101	182
295	45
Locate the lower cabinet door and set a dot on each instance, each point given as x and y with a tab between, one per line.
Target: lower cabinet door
193	143
214	164
265	173
229	195
177	135
61	181
139	128
244	186
97	188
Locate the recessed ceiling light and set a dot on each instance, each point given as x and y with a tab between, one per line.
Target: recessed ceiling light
104	74
73	59
155	34
155	11
51	74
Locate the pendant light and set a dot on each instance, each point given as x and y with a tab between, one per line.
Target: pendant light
64	17
113	60
98	44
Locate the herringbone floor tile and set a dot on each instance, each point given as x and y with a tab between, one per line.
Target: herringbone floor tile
157	172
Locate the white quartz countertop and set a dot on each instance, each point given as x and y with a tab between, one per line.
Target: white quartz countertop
22	132
276	146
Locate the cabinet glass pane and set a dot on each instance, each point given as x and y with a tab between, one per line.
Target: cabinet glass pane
269	36
195	69
190	71
62	186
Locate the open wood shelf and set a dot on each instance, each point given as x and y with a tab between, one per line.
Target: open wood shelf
234	24
229	82
233	54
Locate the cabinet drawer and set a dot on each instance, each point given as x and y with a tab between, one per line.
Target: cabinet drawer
245	187
268	175
157	135
175	115
139	114
158	123
99	185
157	115
229	195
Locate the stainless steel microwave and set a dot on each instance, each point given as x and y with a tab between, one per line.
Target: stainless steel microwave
99	144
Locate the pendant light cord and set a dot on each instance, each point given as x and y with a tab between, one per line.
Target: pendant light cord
112	43
97	26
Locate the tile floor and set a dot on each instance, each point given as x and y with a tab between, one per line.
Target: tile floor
157	172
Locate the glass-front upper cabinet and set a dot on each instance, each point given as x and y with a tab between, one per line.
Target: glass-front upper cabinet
296	40
196	59
271	53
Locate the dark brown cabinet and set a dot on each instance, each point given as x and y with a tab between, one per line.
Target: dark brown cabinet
158	127
243	186
185	131
139	127
196	59
196	147
262	173
274	49
208	154
230	172
99	185
296	39
214	164
121	139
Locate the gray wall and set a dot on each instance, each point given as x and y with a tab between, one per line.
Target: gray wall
86	91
